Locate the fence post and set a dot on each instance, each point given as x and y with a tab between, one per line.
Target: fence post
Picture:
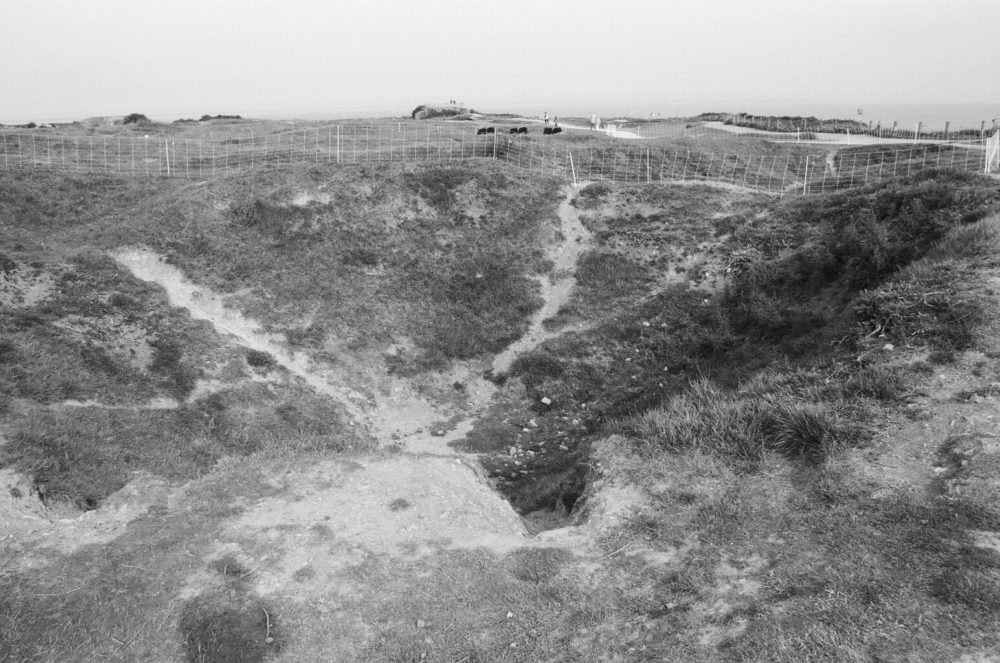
649	172
572	167
494	145
805	179
338	143
166	147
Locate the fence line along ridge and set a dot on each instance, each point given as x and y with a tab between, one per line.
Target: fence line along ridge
408	142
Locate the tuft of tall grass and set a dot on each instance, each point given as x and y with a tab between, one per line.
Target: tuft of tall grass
884	383
803	430
741	425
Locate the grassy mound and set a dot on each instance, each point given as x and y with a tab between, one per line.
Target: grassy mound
785	356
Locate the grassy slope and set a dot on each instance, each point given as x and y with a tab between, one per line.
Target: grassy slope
758	475
433	259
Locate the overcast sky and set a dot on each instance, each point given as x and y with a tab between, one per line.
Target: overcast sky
71	59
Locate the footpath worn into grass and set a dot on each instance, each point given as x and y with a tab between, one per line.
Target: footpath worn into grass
769	423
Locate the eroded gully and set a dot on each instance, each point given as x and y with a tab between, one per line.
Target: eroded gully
394	412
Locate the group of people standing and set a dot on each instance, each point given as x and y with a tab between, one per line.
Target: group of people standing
595	121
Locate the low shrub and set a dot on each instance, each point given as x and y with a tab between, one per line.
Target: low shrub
135	118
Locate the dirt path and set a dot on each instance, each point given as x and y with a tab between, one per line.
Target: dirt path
556	289
203	304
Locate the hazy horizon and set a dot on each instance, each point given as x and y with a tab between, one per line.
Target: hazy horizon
66	60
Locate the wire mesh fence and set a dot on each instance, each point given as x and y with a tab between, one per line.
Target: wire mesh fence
411	142
205	157
919	131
